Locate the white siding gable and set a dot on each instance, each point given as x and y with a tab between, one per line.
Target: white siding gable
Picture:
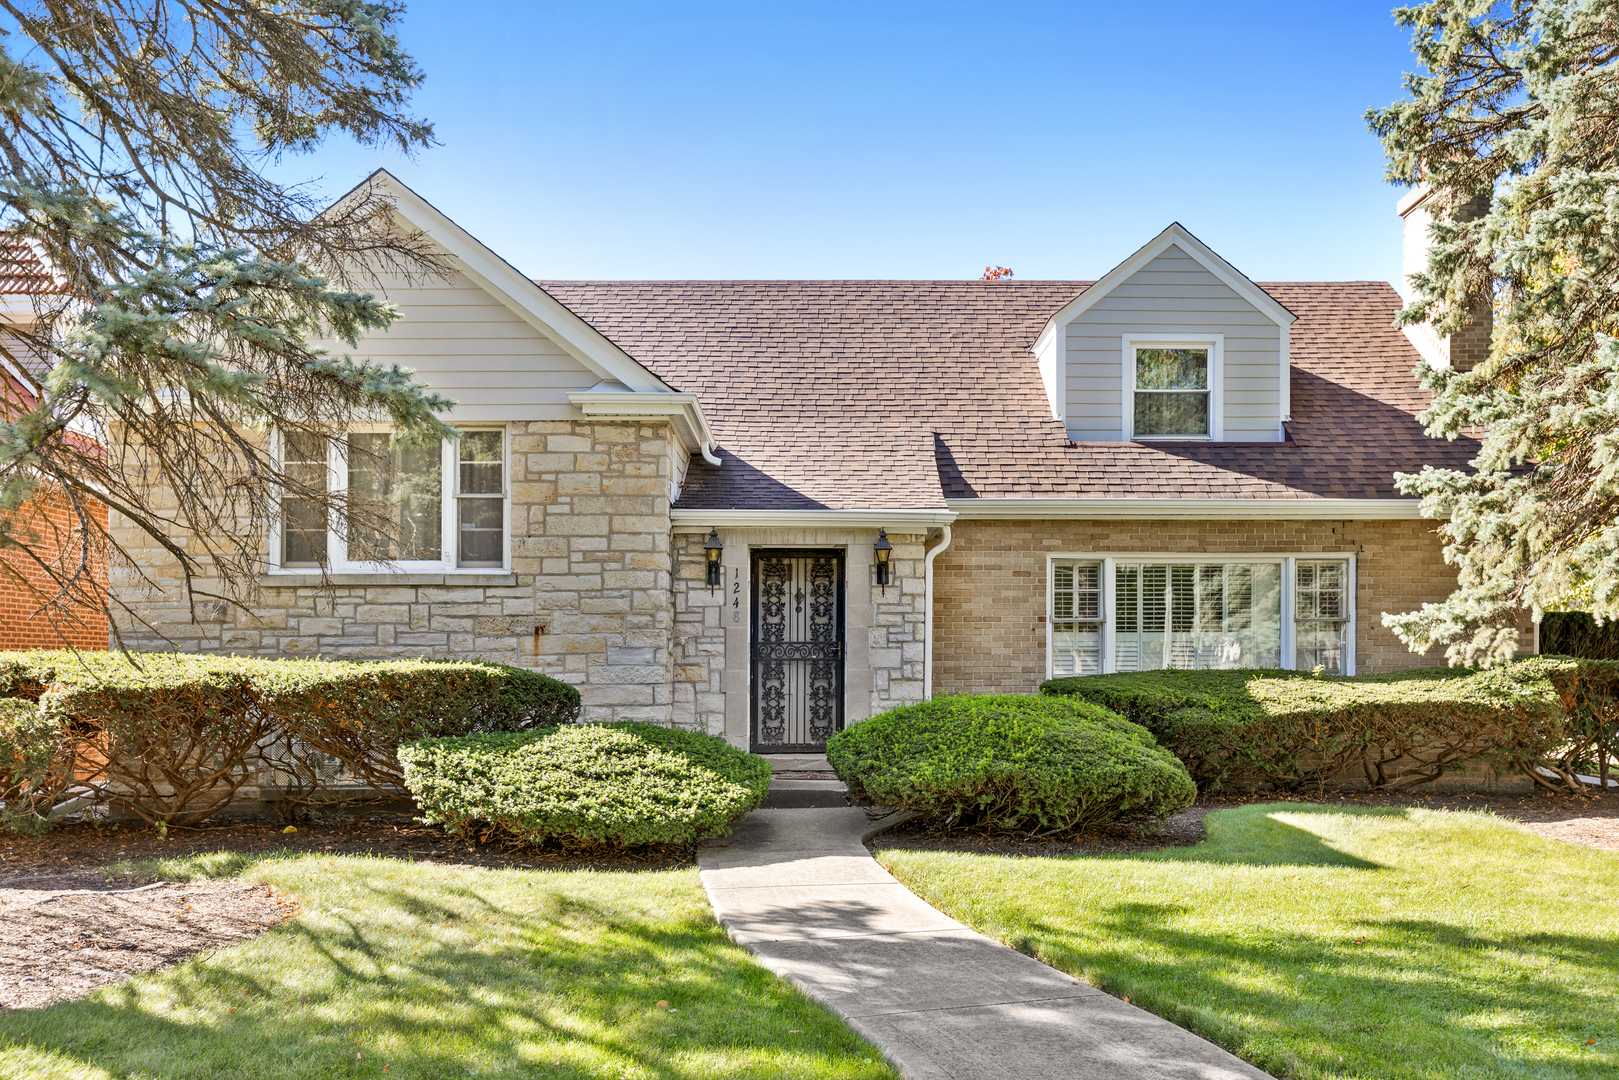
466	344
1173	290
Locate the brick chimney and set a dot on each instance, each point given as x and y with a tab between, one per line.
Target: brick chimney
1471	346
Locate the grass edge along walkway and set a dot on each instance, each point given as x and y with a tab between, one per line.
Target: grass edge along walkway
403	969
1324	943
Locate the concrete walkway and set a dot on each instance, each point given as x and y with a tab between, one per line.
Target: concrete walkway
799	889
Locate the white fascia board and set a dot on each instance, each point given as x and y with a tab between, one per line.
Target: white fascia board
1174	236
1413	199
629	405
1201	509
525	299
684	520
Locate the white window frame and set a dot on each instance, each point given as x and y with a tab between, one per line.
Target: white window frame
1287	560
338	561
1215	343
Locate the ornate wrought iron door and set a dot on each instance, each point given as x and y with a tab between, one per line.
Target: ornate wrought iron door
797	650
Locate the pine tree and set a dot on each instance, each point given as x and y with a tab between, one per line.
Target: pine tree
184	289
1517	107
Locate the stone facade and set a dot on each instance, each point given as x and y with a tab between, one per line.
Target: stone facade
588	598
990	585
699	639
899	625
884	630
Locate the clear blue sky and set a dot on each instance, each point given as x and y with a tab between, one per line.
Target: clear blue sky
901	140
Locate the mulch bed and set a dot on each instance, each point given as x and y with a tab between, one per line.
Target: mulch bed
64	935
1589	822
388	834
66	928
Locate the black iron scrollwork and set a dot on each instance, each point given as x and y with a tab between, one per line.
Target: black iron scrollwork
798	653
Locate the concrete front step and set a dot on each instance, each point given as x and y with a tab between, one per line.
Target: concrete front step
805	794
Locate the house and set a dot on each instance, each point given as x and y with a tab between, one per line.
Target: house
30	578
767	509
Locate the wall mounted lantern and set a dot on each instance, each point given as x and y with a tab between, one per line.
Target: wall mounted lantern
884	551
711	549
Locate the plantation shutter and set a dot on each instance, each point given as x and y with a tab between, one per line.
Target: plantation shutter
1076	618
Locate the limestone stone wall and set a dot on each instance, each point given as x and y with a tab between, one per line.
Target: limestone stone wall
899	625
990	585
699	637
588	598
883	629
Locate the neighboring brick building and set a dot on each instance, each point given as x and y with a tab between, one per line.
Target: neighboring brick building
54	530
1172	466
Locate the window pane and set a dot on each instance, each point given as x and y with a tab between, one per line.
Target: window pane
1321	645
1062	591
303	522
482	464
1127	599
482	532
1172	369
402	484
1076	649
1198	616
1320	586
1172	414
1322	604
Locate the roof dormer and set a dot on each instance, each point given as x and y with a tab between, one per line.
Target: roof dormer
1173	344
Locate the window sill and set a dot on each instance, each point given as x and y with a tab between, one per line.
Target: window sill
1173	438
287	579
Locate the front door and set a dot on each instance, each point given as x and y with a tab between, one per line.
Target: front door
797	650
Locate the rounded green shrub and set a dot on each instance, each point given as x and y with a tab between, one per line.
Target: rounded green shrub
1011	761
590	785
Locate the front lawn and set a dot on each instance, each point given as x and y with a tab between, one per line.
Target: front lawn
1320	942
403	969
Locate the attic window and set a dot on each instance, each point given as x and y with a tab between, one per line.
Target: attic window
1172	392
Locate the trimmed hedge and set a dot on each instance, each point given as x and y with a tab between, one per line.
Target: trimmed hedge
1289	728
172	737
1010	762
1589	690
36	766
592	785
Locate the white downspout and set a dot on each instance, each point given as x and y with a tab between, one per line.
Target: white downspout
927	618
708	452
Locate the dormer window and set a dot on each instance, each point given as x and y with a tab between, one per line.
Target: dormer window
1172	388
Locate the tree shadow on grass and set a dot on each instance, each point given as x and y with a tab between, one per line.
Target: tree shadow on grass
1387	998
498	982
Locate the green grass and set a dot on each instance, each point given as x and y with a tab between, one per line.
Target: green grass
1316	942
436	971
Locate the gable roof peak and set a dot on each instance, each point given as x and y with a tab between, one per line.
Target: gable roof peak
1179	236
519	294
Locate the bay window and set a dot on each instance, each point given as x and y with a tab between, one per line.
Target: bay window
1141	613
444	505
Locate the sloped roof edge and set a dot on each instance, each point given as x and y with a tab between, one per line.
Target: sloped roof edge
1175	235
522	296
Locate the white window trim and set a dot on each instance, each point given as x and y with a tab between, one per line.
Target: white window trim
449	521
1287	560
1215	343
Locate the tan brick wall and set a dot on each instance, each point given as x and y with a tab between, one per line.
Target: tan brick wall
588	599
990	585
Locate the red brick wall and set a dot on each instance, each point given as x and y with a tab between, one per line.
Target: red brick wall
990	585
20	628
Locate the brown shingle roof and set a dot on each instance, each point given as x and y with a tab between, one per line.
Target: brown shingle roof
897	394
